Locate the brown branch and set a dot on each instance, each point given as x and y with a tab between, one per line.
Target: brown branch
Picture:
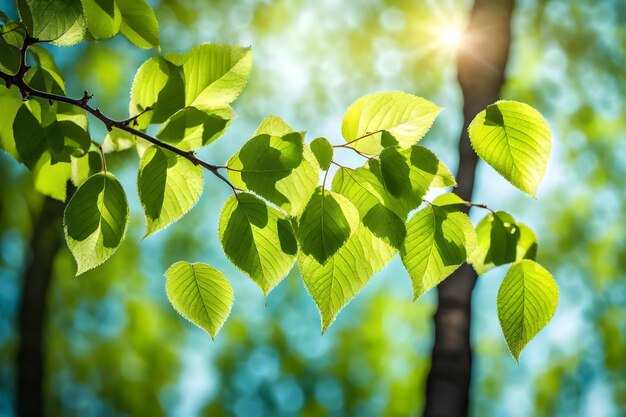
27	92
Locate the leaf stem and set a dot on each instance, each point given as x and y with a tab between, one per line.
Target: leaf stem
482	206
27	91
103	159
345	145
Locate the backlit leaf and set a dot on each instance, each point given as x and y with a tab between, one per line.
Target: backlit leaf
169	186
326	223
405	117
61	21
208	78
502	240
95	220
139	24
258	239
323	152
438	240
515	140
277	165
334	283
527	300
103	18
200	293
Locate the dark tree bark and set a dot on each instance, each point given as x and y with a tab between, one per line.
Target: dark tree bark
45	242
481	68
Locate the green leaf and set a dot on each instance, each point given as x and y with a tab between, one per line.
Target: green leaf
406	117
409	173
438	240
158	85
37	128
527	243
61	21
258	239
209	77
51	180
95	220
30	137
527	300
323	152
277	165
365	190
386	225
191	128
215	75
515	140
118	140
86	166
46	76
199	293
360	188
139	24
10	104
326	223
11	41
502	240
273	126
334	283
169	186
103	18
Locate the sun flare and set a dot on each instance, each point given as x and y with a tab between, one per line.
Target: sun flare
451	37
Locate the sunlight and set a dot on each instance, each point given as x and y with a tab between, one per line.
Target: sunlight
451	36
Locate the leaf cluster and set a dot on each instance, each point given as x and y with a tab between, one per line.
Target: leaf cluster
339	233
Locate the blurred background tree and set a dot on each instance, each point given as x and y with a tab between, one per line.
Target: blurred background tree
114	346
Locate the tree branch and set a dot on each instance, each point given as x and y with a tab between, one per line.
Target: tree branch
27	92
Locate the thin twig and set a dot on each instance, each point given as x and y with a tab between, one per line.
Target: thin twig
482	206
468	204
339	165
345	145
27	91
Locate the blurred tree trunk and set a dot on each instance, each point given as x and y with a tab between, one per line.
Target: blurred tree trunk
45	242
481	65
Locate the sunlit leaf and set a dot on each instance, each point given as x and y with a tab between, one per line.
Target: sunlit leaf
45	76
169	186
360	188
51	180
527	300
61	21
326	223
95	220
502	240
258	239
103	18
200	293
277	165
515	140
438	240
408	174
208	78
365	190
405	117
334	283
191	128
323	152
118	140
11	40
139	24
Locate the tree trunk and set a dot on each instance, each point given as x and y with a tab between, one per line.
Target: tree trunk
44	244
481	65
